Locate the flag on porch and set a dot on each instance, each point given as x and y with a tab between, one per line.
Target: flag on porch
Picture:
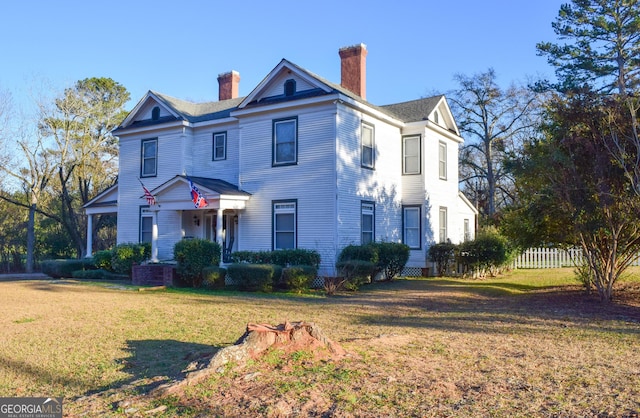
198	198
151	199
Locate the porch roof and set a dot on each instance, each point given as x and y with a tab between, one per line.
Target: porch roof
174	194
105	202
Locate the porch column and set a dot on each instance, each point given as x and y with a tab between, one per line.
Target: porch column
89	236
154	237
219	231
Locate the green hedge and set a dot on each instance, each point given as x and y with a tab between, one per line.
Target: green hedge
298	278
284	258
193	255
355	272
102	259
65	268
392	257
99	274
123	256
442	255
213	277
387	257
486	254
365	252
255	277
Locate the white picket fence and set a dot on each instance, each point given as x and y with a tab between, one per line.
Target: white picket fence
548	258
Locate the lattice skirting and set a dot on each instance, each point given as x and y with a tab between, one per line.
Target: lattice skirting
411	272
318	282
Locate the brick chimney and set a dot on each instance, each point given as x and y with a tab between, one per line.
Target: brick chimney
228	85
353	60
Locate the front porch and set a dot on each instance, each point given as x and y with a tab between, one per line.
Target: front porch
183	208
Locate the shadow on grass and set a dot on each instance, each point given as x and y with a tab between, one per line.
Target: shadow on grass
40	374
150	363
154	362
494	307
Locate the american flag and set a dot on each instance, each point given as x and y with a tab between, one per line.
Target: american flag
198	198
151	199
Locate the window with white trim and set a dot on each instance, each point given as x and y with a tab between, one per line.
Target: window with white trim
411	154
285	141
367	145
442	224
220	146
149	158
367	222
467	230
146	225
284	224
442	160
411	226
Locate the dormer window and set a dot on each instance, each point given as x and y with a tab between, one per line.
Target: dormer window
155	113
289	87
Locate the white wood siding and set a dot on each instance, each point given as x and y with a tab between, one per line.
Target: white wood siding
202	152
439	192
311	181
382	185
170	163
413	193
276	87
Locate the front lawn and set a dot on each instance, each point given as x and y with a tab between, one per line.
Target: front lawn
526	344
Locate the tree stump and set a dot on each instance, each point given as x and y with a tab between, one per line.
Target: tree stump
290	336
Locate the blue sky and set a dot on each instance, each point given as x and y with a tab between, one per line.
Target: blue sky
179	48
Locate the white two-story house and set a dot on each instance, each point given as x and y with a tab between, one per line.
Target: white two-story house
300	162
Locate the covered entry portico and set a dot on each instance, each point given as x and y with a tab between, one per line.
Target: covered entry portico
216	221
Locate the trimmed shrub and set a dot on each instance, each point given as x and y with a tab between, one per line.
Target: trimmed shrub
251	257
355	272
295	257
193	255
99	274
213	277
485	255
102	259
284	258
65	268
392	257
298	278
442	255
254	277
124	255
366	252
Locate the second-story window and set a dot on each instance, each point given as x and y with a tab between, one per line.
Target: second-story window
219	146
367	144
442	160
411	154
285	141
149	158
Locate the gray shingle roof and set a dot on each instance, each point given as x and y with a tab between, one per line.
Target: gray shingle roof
218	186
411	111
414	110
199	112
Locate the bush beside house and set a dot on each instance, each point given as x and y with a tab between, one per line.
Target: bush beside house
388	258
193	256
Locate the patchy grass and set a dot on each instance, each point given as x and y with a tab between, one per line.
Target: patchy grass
529	343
